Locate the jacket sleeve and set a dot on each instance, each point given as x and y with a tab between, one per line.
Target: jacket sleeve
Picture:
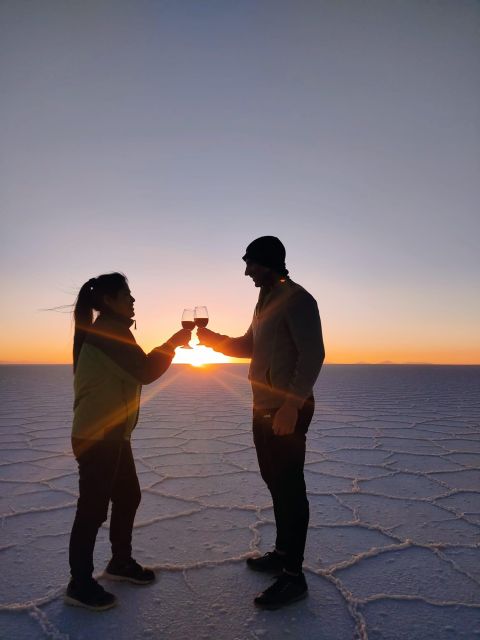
241	347
303	321
128	355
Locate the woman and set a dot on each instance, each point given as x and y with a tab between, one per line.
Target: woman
109	370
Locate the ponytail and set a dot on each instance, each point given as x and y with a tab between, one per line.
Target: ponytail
90	299
83	317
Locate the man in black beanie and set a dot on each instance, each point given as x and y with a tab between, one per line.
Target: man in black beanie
285	344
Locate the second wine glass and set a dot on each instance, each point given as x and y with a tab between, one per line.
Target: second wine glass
201	317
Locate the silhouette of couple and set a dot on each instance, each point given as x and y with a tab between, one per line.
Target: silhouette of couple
284	342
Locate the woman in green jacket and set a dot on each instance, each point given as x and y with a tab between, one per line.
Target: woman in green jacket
109	371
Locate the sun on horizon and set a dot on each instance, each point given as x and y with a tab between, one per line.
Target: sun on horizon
199	355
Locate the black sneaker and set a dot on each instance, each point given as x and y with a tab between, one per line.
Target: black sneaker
130	571
90	595
285	590
271	562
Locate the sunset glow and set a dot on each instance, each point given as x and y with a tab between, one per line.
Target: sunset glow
199	355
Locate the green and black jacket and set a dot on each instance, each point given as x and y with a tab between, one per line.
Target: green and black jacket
109	375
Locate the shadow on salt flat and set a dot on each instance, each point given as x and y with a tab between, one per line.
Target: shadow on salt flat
206	603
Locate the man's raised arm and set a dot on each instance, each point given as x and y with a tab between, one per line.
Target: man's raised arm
241	347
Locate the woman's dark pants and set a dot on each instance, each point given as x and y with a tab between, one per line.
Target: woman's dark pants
107	473
281	460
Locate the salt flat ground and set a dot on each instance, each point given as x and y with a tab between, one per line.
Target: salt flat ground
393	473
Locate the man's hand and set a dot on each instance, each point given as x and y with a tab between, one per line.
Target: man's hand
285	420
206	337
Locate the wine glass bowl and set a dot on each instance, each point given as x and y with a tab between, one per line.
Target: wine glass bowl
201	317
188	322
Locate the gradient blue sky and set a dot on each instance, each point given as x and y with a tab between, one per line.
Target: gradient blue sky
159	138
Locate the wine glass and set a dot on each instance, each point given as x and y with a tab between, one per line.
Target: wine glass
201	317
188	322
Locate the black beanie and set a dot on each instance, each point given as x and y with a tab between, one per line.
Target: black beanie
269	252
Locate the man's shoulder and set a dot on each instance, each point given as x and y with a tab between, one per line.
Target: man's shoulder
299	295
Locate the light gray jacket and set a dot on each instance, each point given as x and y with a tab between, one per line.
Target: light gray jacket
285	344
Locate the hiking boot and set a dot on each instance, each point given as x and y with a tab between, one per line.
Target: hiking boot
90	595
128	570
283	591
271	562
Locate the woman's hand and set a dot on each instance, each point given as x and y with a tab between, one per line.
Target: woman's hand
180	338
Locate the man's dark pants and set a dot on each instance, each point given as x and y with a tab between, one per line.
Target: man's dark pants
107	473
281	460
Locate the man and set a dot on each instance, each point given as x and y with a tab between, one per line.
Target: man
284	342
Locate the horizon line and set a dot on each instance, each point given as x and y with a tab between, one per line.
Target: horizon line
362	363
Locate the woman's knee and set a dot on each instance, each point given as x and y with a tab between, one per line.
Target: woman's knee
128	500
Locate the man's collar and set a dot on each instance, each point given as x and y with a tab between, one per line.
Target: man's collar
276	287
